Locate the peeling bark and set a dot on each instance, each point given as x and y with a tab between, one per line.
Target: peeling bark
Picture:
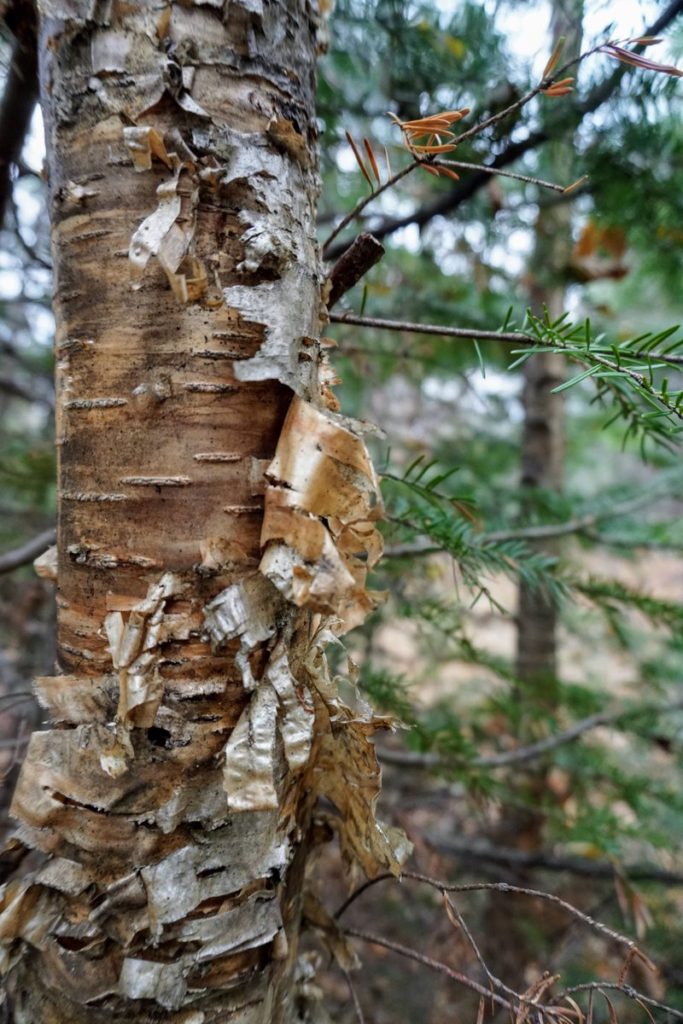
216	523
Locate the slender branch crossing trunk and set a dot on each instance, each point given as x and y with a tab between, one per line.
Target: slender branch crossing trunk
216	521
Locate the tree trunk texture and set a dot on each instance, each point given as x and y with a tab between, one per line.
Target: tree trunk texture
543	438
216	521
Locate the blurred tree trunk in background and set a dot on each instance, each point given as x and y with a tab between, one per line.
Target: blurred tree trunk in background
542	469
543	437
21	90
183	180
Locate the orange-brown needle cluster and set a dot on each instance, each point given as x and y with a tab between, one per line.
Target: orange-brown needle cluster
432	136
561	88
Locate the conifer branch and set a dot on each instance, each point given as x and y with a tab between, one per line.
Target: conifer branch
522	755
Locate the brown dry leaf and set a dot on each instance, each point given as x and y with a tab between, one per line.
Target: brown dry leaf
613	1019
373	160
577	1009
347	772
554	57
575	184
534	994
429	149
637	60
646	1008
318	917
587	241
447	172
450	911
359	159
561	88
433	127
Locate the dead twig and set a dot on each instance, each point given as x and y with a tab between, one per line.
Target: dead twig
363	253
354	997
25	553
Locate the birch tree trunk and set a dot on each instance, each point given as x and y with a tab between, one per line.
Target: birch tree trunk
216	521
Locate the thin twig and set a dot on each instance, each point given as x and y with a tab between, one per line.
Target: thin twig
360	206
515	998
20	92
10	560
500	173
500	115
529	753
435	965
513	337
30	251
501	887
554	1012
627	990
520	755
493	979
354	997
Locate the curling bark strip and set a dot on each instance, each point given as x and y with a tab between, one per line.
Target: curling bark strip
216	521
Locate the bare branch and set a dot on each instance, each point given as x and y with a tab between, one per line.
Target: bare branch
580	524
354	996
553	1012
627	990
358	209
577	525
461	923
16	389
426	961
363	253
514	337
10	560
418	161
504	888
497	171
